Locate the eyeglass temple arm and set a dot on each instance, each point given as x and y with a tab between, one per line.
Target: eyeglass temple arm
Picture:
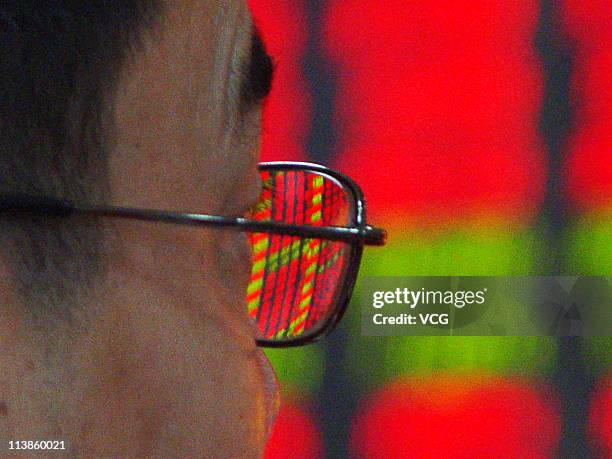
363	234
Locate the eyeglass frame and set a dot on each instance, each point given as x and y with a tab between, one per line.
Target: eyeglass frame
357	236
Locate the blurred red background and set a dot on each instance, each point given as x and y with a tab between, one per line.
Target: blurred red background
441	112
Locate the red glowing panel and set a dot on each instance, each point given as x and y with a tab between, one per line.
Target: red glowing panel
287	110
295	435
426	182
591	89
600	423
427	29
588	22
438	106
451	103
459	416
589	167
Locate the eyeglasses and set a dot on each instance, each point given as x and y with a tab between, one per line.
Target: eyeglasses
301	282
307	234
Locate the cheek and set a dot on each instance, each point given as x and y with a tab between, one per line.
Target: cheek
234	264
236	405
219	393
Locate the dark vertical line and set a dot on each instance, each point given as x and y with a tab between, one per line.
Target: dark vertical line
575	386
262	297
336	399
318	70
288	280
298	197
571	376
315	299
268	253
555	128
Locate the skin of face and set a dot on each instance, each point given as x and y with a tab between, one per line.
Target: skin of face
168	366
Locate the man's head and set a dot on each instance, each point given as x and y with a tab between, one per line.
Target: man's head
127	338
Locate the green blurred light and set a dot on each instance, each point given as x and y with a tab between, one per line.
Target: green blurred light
298	368
590	245
374	360
460	251
590	253
456	252
599	354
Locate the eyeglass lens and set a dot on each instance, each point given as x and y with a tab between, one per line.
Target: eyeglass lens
296	282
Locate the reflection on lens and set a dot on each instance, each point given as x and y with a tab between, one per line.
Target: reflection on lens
296	281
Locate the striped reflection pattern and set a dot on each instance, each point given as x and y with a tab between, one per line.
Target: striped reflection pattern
295	281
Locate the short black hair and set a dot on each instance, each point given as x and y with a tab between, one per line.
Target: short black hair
60	61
